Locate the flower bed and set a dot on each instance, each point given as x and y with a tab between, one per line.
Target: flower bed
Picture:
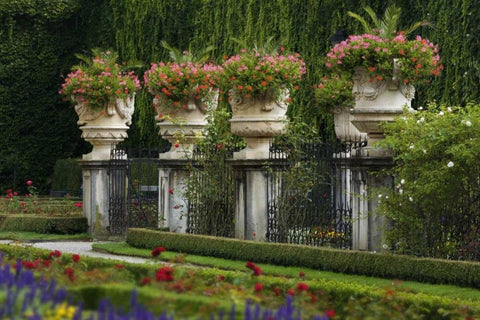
181	291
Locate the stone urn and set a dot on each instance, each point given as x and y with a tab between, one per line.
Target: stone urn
182	126
258	119
105	128
377	102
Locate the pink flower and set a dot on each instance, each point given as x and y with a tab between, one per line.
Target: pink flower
78	204
29	182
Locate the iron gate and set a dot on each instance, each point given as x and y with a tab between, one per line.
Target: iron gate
133	189
309	196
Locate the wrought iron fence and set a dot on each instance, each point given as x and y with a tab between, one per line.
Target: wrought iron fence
309	194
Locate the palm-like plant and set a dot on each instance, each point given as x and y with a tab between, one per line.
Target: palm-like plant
387	27
184	57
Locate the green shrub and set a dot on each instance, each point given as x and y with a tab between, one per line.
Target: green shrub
352	262
435	205
43	224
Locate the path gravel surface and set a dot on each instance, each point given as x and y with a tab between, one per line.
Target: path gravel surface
83	248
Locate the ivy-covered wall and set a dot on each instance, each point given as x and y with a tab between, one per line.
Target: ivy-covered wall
38	39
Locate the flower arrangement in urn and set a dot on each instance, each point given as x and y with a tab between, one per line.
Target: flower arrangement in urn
383	53
99	80
256	72
416	59
174	83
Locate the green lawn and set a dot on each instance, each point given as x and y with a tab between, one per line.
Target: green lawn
34	237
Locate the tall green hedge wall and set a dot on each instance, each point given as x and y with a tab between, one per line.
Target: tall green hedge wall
38	39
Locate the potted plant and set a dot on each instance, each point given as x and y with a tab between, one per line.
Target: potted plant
183	92
104	97
259	85
383	66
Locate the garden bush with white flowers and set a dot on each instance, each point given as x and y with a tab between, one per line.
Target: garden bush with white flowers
435	203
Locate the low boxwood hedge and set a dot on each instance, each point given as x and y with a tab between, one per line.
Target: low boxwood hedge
436	271
43	223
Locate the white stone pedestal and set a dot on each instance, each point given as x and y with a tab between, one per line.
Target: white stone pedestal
251	208
368	227
172	205
95	197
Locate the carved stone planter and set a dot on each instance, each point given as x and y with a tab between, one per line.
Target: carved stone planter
377	102
258	119
106	128
182	126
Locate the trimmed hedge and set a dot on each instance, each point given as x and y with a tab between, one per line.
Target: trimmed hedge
389	266
43	224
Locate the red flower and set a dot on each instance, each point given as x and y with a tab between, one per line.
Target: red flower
70	273
220	278
120	266
302	274
78	204
176	145
256	270
157	251
55	253
170	191
76	258
46	263
258	287
164	274
330	313
30	265
277	291
29	182
302	287
145	281
15	194
291	292
22	203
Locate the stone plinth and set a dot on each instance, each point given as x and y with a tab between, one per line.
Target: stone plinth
251	199
95	197
172	205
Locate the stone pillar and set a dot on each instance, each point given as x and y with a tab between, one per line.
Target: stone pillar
251	208
173	207
368	227
95	197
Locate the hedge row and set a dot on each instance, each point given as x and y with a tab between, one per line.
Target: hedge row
388	266
43	224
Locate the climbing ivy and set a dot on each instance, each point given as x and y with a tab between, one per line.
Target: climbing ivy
38	40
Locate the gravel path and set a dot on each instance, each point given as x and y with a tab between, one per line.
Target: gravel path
80	247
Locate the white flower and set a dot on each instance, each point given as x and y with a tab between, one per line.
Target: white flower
386	197
402	181
410	199
411	146
422	119
468	123
385	246
379	195
420	108
441	113
400	191
449	109
424	151
450	164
